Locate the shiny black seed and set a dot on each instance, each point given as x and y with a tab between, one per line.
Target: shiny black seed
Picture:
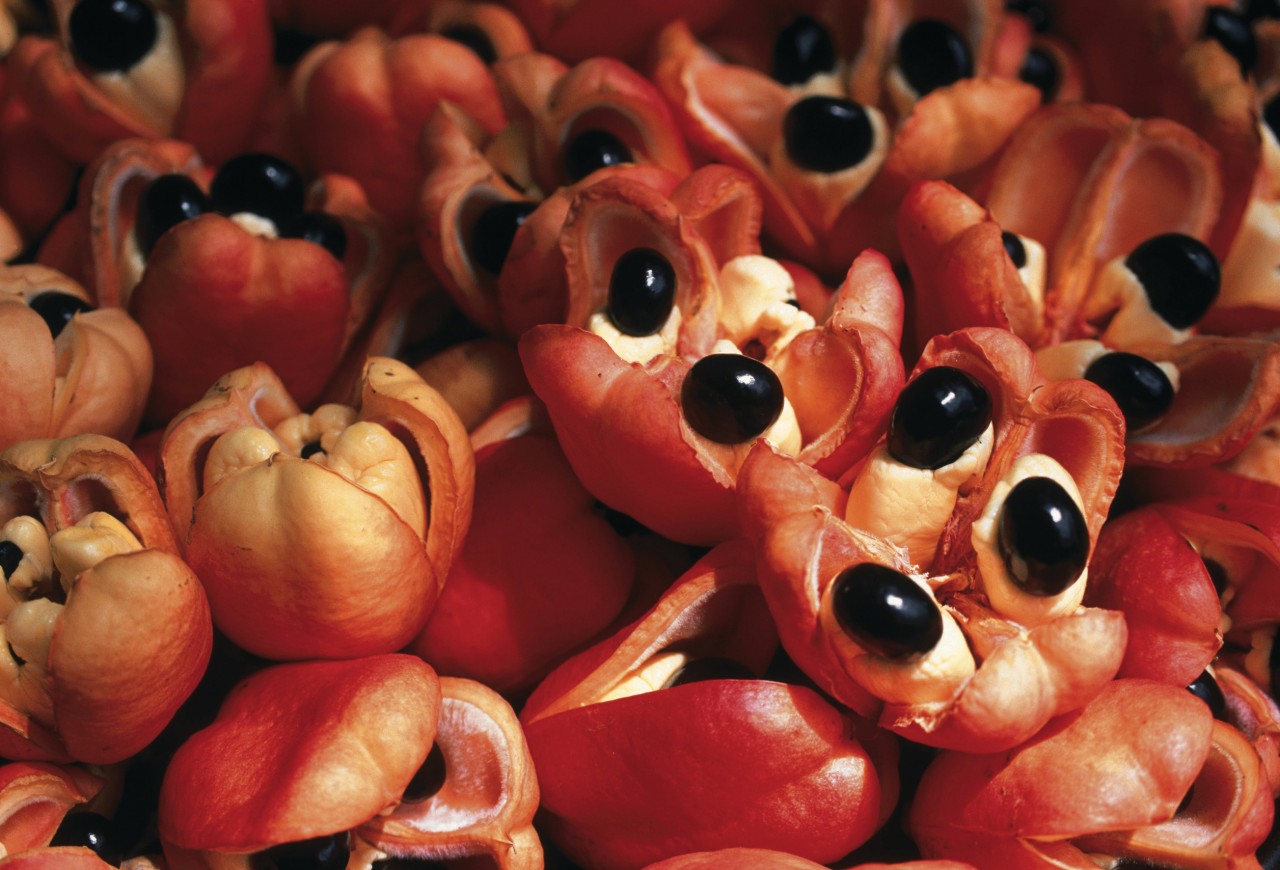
1231	30
1141	389
932	55
938	416
319	228
885	611
1206	688
311	448
167	201
90	830
260	184
112	35
591	150
1014	248
710	668
473	38
319	853
1034	10
827	134
1217	575
429	778
57	308
1040	69
1043	536
1180	274
1271	115
642	292
494	231
10	558
730	398
803	49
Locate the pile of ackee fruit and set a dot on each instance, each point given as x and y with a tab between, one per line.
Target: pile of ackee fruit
583	434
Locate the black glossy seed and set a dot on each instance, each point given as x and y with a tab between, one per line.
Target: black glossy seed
1043	536
10	558
318	228
494	231
938	416
260	184
111	35
642	292
802	50
1041	70
1014	248
90	830
709	668
1271	115
932	55
885	611
1180	275
1206	688
1217	575
311	448
319	853
1140	387
57	308
473	38
429	778
167	201
730	398
827	134
1035	11
1231	30
591	150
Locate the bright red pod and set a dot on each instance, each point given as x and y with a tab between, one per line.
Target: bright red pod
371	132
728	859
1107	780
92	377
202	81
825	218
541	572
771	759
348	738
841	380
96	552
583	29
487	799
35	178
285	581
1144	568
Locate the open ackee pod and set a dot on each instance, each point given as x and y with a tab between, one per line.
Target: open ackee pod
88	548
201	79
986	683
824	209
625	427
1104	781
764	859
1104	182
487	794
345	741
493	32
770	760
70	368
284	580
1253	713
371	133
35	797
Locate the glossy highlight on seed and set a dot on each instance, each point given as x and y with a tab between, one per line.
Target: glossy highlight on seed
1140	387
642	292
730	398
167	201
885	611
1180	275
594	149
495	230
57	309
112	35
802	50
1042	536
938	416
827	134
